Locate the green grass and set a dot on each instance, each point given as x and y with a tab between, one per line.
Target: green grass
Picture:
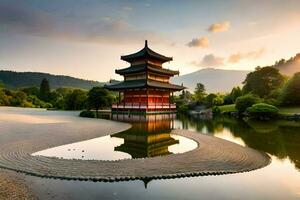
289	110
227	108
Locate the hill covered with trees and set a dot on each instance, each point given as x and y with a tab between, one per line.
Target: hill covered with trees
290	66
13	80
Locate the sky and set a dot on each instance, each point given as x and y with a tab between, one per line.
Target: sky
85	38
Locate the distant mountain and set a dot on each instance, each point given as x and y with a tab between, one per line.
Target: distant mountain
290	66
214	80
14	80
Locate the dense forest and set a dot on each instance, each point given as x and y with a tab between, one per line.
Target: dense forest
14	80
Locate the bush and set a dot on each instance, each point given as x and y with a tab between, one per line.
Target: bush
245	101
216	110
87	113
262	111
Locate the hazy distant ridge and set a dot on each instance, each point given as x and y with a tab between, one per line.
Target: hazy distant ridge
13	79
215	80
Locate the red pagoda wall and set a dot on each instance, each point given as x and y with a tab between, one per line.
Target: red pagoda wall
144	97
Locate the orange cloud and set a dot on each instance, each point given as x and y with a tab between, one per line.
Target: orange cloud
234	58
210	60
219	27
199	42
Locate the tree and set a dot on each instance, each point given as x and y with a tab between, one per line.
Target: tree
4	101
99	97
44	90
18	99
208	100
291	91
199	92
235	93
218	101
76	100
31	91
263	81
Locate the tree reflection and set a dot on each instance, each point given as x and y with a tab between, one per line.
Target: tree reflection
278	138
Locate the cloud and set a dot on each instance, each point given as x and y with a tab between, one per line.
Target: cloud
21	19
219	27
199	42
234	58
210	60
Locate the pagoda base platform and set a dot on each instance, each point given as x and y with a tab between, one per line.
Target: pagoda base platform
142	111
151	108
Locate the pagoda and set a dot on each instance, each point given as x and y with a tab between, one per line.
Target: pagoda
146	87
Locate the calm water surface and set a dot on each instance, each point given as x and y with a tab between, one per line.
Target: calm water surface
279	180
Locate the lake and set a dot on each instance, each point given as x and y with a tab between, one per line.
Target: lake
279	180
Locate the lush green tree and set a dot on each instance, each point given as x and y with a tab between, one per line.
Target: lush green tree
1	84
291	92
64	91
44	90
76	100
186	96
227	99
18	99
4	100
31	91
208	100
217	101
199	92
263	81
99	97
235	93
245	101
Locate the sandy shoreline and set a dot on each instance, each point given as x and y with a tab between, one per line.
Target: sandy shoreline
12	186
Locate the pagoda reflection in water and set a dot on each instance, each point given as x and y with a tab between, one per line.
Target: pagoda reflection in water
149	135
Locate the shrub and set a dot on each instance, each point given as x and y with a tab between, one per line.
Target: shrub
262	111
216	110
245	101
87	113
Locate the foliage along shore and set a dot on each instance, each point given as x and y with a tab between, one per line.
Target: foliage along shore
265	94
60	98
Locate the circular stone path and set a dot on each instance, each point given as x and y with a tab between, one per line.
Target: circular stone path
213	156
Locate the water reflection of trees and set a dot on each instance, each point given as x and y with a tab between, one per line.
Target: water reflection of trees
278	138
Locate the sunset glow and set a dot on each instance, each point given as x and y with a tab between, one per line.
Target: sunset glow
86	39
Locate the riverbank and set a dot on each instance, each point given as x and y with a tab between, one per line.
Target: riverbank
285	113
